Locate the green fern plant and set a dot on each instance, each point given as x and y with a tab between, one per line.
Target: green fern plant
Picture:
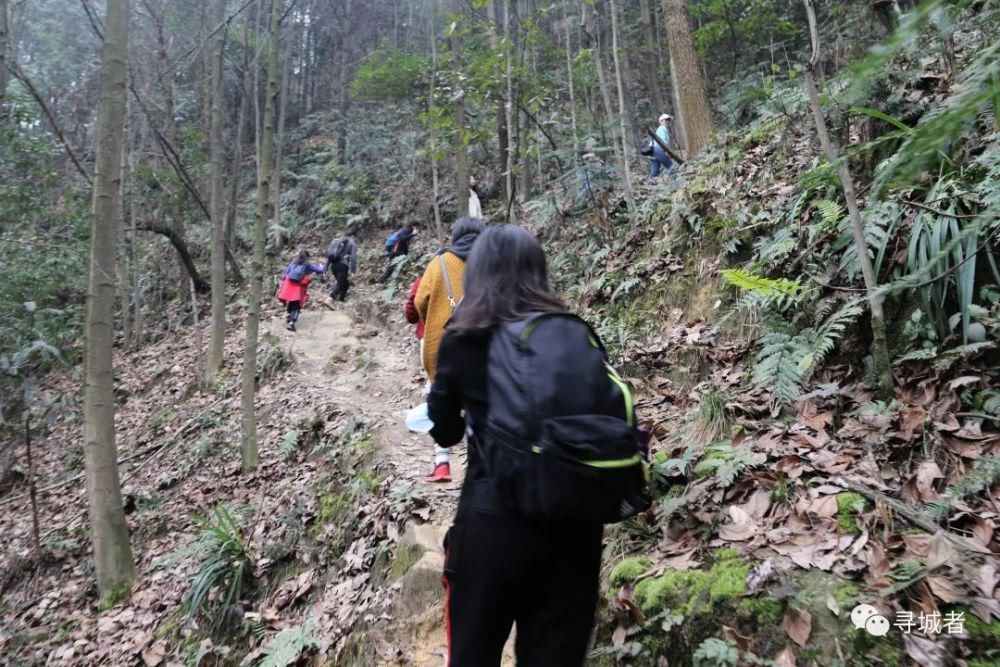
785	361
830	212
984	474
289	443
771	287
287	646
778	366
727	462
626	287
818	343
715	652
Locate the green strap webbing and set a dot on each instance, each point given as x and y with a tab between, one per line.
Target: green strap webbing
626	394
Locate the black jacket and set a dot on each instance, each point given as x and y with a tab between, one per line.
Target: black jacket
461	385
402	244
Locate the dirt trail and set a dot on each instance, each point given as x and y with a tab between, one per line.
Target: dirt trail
374	372
376	375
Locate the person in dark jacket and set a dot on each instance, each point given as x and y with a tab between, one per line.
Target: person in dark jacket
294	287
499	568
341	261
401	240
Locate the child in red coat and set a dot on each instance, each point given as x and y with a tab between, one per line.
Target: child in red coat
294	286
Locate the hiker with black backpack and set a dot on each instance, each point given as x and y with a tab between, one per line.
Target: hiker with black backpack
294	286
553	454
440	290
341	261
397	244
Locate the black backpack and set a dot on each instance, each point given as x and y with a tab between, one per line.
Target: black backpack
336	250
560	444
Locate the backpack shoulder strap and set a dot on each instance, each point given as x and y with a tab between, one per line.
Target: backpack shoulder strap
447	282
529	324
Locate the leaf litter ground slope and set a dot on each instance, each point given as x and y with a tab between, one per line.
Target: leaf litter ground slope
340	478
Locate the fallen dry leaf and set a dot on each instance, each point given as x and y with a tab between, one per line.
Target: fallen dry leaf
797	624
786	658
925	652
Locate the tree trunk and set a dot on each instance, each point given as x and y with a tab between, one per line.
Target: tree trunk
251	455
623	130
880	347
279	146
503	140
138	319
524	170
572	87
124	241
461	155
610	114
165	77
113	562
241	122
677	136
689	84
216	346
435	186
4	38
509	115
651	59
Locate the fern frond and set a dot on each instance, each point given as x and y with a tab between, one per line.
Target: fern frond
830	212
778	368
626	287
751	282
984	474
819	343
287	646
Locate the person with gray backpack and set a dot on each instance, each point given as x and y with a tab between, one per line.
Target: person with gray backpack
554	453
341	261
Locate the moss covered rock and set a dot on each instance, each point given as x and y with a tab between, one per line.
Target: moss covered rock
629	570
695	592
849	506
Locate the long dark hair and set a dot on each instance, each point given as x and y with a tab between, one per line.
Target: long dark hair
505	280
302	257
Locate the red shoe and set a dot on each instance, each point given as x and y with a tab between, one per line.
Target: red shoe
442	473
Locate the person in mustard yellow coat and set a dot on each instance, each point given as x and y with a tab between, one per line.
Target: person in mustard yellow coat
439	293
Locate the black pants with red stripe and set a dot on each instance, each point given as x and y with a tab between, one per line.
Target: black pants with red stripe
500	571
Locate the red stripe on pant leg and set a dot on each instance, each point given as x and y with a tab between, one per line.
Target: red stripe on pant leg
447	611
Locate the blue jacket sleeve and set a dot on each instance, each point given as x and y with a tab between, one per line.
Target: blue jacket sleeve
315	268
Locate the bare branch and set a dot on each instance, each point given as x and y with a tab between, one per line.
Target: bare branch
21	76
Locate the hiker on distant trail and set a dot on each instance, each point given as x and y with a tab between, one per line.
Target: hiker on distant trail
552	455
341	261
475	207
295	285
660	157
398	244
439	292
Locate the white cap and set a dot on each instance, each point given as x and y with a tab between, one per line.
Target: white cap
666	116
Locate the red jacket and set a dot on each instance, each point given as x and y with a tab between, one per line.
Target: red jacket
292	291
410	310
